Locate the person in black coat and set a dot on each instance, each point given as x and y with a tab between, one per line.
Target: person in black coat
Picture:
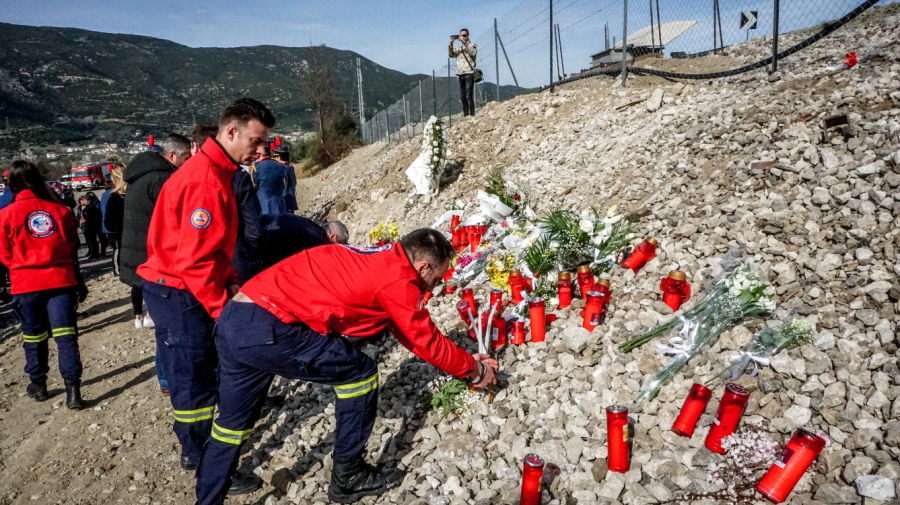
113	206
246	261
285	235
91	224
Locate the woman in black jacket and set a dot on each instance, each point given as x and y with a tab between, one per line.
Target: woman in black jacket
113	206
91	224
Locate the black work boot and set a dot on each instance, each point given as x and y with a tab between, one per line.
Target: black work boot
244	483
37	391
187	464
73	397
356	479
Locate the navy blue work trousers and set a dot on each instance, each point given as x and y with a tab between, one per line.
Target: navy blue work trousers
184	333
255	346
49	314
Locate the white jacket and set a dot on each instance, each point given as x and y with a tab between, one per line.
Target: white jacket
465	57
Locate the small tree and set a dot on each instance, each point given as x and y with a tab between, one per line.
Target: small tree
320	87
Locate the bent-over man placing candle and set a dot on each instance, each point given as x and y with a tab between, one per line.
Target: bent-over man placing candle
288	320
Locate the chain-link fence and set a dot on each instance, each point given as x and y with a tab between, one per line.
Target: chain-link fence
541	43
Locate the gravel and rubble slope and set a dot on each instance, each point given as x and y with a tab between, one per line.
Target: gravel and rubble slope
820	219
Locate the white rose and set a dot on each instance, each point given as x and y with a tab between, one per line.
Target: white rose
586	225
586	214
554	245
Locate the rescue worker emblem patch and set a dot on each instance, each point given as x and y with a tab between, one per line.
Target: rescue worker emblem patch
40	224
201	219
420	305
369	250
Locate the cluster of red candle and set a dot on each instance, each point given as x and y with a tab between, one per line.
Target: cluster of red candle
675	289
517	284
643	253
500	329
465	236
728	416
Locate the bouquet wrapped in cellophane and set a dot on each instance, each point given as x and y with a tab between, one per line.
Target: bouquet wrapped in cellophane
738	296
768	342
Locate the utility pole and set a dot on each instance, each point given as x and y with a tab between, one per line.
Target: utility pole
362	108
775	37
562	61
625	43
551	46
497	57
652	33
659	25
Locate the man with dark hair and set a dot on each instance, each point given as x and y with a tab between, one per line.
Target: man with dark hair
465	69
202	132
188	275
288	320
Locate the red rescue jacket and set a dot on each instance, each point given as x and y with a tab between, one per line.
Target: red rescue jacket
359	292
194	227
37	244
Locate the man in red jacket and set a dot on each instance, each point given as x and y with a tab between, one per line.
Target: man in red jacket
288	321
188	275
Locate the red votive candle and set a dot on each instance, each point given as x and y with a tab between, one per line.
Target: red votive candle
675	289
728	416
592	310
602	287
469	296
617	433
454	221
585	280
474	241
449	289
787	470
564	289
463	308
642	254
497	299
693	408
538	319
532	473
498	332
518	332
516	285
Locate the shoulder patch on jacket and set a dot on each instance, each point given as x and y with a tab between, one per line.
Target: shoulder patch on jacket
369	250
40	224
201	219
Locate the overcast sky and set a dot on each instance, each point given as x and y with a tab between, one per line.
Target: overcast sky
406	35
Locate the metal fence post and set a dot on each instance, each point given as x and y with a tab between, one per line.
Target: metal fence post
405	116
497	58
625	43
421	105
775	37
434	93
551	46
449	105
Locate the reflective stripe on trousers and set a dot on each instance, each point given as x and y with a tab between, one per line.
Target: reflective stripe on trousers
192	416
235	437
62	332
357	389
35	339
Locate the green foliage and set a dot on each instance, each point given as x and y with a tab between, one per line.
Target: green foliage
539	257
453	398
545	288
509	193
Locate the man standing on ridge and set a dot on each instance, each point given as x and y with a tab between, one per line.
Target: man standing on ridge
465	69
188	275
288	321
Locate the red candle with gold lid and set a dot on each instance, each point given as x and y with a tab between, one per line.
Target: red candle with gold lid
643	253
462	307
564	289
585	280
675	289
516	284
728	416
497	299
693	408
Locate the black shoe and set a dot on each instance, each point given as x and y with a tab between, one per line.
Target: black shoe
244	484
273	402
356	479
73	397
187	464
37	391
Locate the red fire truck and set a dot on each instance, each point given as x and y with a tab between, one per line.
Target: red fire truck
91	176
